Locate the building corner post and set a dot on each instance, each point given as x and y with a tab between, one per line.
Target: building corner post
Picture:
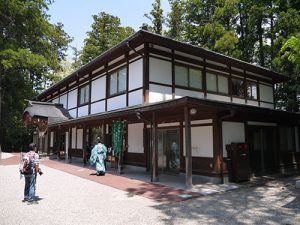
154	163
188	149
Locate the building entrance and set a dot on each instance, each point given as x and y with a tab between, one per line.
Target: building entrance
261	149
169	150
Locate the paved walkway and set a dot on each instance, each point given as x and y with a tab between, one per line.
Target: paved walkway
65	198
170	189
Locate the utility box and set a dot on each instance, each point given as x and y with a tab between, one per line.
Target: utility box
238	162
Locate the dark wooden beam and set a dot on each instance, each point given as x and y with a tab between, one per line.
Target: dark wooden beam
154	163
188	147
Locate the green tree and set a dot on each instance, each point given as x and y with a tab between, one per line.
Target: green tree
76	62
106	33
287	26
175	20
211	24
31	49
156	17
288	93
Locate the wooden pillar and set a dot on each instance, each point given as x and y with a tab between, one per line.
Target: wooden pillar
154	174
188	149
217	145
67	144
58	141
84	144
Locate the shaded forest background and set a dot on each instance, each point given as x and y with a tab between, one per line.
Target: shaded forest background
33	51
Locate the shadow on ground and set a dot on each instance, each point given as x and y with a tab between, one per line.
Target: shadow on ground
275	202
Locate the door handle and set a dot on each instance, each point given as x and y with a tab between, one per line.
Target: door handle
244	154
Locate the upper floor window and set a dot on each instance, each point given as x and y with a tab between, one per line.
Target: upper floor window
216	83
188	77
251	89
238	87
84	94
117	81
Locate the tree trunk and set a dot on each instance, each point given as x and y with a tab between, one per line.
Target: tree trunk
261	44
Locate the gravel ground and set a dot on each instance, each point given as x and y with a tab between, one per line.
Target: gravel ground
68	199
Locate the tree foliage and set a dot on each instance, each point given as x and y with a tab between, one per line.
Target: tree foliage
31	49
254	31
156	17
175	20
106	32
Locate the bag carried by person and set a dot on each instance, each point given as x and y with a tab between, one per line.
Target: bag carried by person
27	165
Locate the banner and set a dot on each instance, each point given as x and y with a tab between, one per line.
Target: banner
117	136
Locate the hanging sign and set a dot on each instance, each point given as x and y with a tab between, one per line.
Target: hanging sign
117	136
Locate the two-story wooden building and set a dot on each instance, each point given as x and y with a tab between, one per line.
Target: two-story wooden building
181	105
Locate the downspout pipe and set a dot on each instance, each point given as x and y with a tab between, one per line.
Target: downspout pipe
221	119
135	51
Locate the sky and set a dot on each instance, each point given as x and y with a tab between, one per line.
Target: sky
76	15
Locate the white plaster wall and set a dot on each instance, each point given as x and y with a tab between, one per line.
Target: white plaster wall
135	138
72	99
255	123
162	48
188	55
135	98
116	102
136	74
254	103
202	141
159	93
56	100
238	100
168	124
73	145
116	60
179	93
267	105
97	70
63	100
136	49
218	97
79	139
83	111
194	122
160	71
51	139
232	132
98	89
73	113
98	107
266	93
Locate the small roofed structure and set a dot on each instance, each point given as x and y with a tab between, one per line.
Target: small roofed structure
39	114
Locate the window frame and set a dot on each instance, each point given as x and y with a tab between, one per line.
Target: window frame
243	87
251	94
217	82
86	99
117	71
188	68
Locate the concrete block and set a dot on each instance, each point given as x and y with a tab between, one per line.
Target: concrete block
298	184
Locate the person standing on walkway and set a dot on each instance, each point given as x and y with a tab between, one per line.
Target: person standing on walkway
98	156
30	170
